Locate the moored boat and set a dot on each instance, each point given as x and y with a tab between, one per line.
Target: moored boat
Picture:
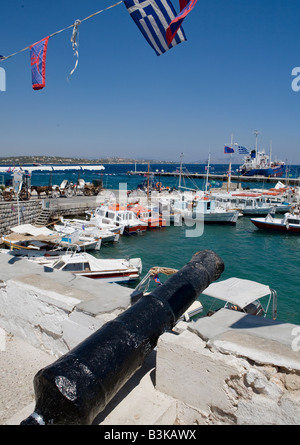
119	217
289	223
151	217
258	163
86	265
207	211
242	295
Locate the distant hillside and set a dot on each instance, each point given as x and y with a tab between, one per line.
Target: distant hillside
22	160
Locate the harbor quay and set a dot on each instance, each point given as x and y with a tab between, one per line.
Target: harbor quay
219	177
230	368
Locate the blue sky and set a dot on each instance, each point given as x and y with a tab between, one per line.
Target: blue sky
231	76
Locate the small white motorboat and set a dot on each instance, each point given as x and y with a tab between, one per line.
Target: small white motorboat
243	295
289	223
86	265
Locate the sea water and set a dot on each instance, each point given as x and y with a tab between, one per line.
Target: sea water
269	258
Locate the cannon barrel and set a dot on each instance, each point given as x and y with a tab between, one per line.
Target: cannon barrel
78	386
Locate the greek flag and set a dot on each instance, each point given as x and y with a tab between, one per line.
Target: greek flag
153	18
243	150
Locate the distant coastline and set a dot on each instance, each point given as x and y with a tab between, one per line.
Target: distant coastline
64	160
58	160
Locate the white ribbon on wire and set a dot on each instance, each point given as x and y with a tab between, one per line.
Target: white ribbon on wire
75	44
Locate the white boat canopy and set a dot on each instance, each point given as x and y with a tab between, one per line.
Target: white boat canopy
29	229
237	291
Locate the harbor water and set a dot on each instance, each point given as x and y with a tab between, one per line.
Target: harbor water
269	258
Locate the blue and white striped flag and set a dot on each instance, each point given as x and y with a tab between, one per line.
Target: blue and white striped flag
153	18
243	150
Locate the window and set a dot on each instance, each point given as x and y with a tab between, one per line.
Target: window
58	265
73	267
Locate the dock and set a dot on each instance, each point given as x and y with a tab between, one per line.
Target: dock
219	177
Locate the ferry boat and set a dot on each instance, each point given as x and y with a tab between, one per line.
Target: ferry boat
258	163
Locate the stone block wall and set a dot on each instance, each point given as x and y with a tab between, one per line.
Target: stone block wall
212	387
13	213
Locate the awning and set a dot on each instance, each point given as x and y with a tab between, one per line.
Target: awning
237	291
29	229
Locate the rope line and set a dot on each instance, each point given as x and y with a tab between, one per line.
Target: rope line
64	29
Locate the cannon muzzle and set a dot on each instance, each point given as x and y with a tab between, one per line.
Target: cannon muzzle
78	386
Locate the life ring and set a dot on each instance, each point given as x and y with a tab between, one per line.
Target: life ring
158	184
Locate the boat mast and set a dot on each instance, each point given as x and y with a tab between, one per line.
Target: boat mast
180	171
256	132
207	173
229	167
148	177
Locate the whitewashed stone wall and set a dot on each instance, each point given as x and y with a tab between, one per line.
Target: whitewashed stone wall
220	388
43	312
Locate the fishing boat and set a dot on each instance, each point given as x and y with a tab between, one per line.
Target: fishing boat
151	217
289	223
119	217
80	241
28	237
207	211
252	203
86	265
243	295
29	243
69	226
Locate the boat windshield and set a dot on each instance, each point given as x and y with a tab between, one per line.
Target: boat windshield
59	265
71	267
75	267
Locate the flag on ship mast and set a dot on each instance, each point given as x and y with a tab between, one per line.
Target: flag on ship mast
228	149
243	150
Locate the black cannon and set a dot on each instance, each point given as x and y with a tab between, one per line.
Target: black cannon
78	386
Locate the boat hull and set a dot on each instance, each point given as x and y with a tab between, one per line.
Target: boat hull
264	211
267	172
132	230
214	218
113	277
273	226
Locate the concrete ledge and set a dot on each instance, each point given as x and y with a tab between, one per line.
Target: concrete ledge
262	340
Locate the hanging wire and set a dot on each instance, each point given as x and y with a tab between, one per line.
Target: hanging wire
2	58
